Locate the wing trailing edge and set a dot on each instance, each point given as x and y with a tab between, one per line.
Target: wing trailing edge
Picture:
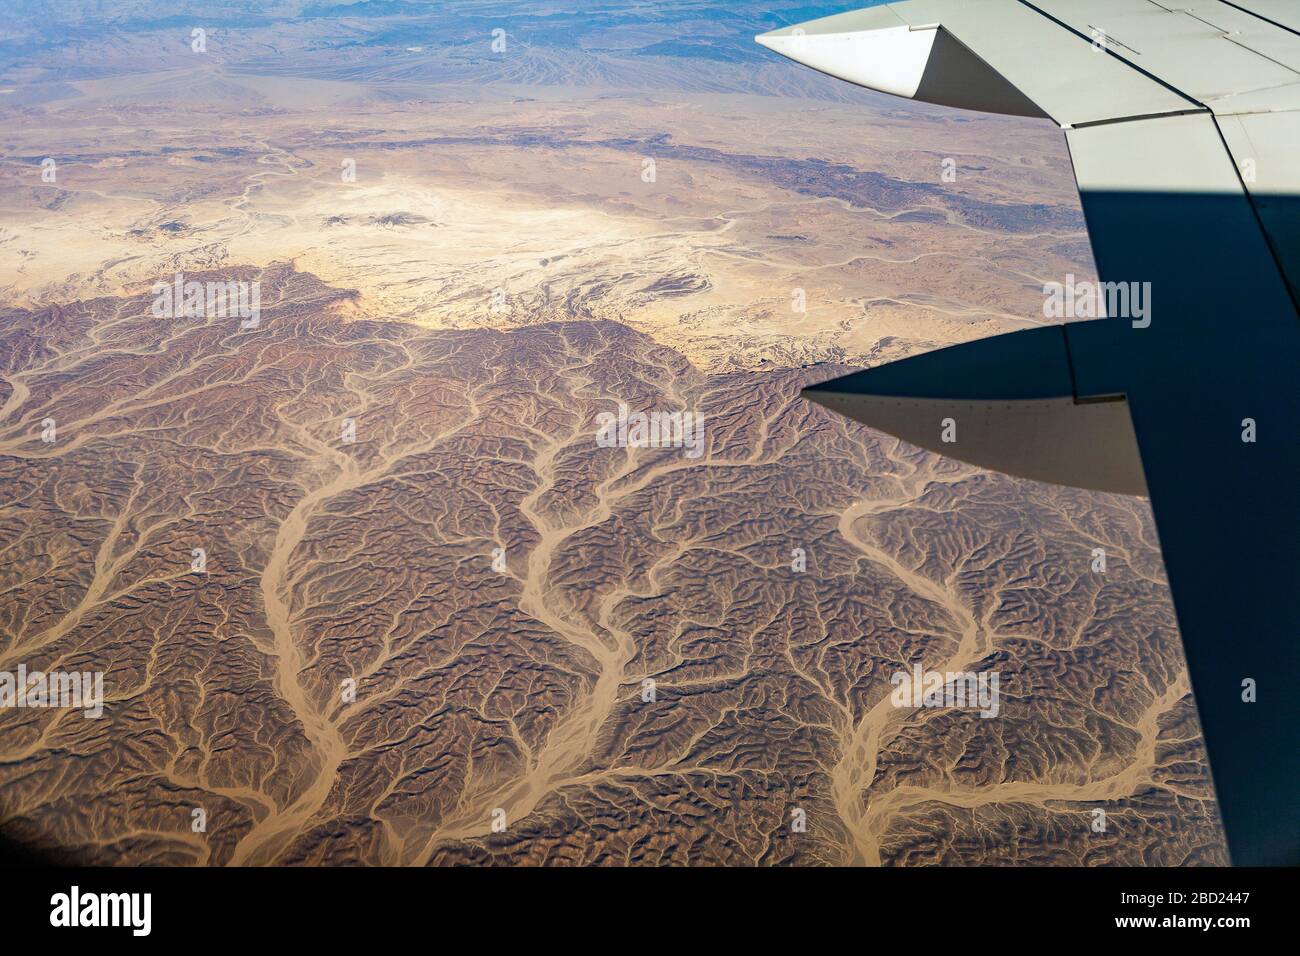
1006	403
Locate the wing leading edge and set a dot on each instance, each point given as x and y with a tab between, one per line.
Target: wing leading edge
1186	173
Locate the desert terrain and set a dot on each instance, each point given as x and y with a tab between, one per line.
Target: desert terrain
438	623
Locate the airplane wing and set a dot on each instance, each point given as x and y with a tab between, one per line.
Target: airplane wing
1182	119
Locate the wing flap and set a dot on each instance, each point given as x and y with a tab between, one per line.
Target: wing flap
1006	403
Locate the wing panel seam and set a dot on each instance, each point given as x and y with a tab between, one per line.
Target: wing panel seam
1259	220
1133	119
1109	52
1259	16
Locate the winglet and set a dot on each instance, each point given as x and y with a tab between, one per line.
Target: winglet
875	49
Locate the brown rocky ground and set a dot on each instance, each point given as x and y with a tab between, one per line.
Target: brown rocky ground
521	691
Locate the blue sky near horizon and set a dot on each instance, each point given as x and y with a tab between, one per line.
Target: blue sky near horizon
709	28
